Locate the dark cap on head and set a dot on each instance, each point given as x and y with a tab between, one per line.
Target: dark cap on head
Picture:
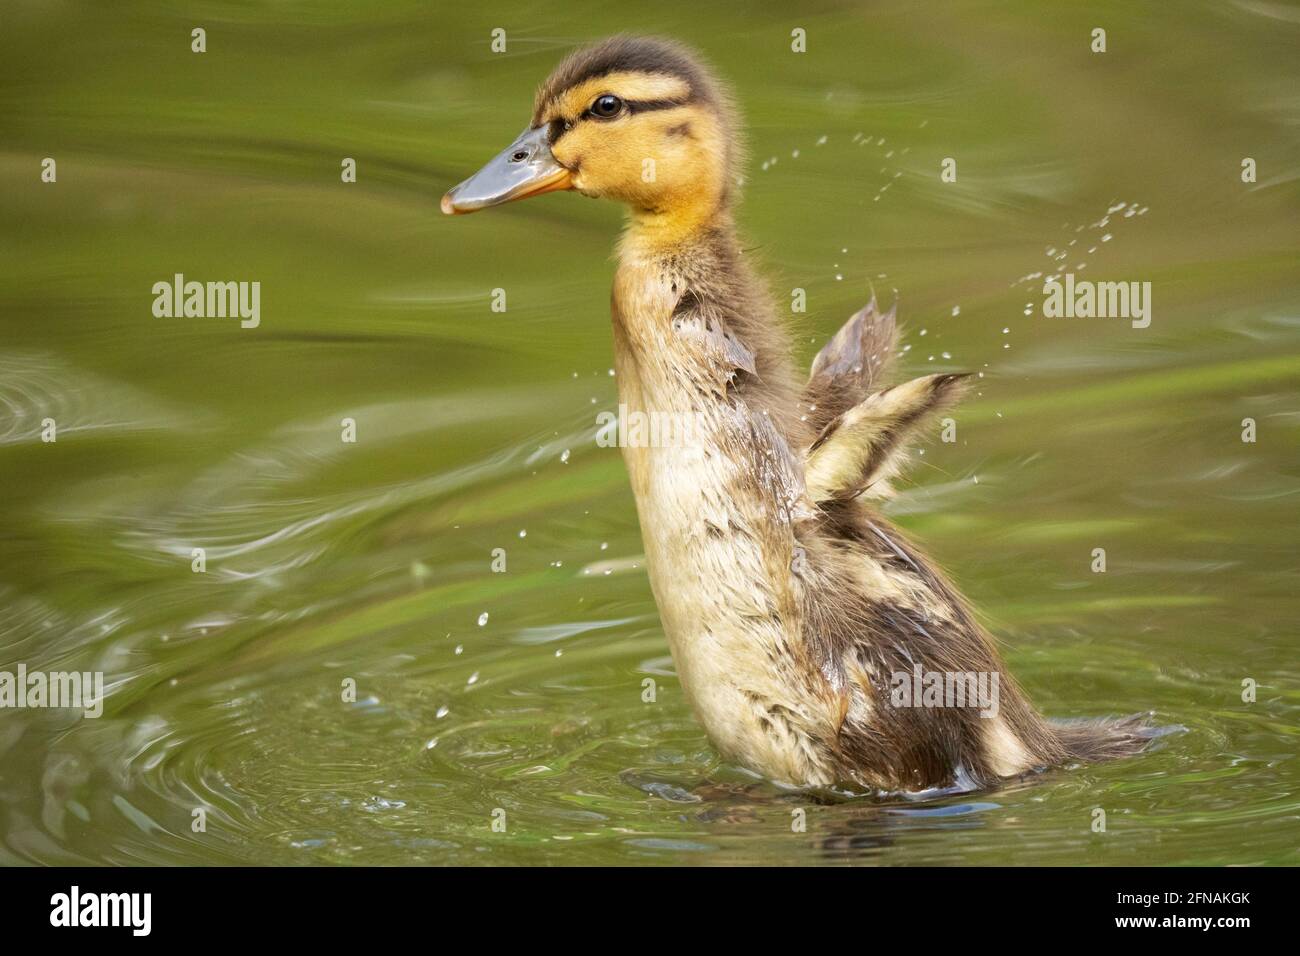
630	54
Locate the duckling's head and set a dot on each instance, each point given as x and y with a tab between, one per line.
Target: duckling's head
636	119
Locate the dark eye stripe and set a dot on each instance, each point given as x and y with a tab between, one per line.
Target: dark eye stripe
557	127
646	106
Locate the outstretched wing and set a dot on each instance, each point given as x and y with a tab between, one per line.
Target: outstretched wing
863	428
863	448
854	362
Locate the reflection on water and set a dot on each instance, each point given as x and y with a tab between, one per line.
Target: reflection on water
349	680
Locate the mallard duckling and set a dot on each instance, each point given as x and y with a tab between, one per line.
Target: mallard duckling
806	630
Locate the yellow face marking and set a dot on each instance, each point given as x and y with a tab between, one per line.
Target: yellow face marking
669	162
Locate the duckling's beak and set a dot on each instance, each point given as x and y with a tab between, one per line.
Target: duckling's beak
524	168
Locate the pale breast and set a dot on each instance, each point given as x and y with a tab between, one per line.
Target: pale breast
717	492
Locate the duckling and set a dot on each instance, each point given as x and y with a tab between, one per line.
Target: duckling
800	620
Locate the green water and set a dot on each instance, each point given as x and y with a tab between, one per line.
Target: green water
521	691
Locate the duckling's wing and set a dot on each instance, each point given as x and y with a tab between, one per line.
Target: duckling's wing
855	361
864	447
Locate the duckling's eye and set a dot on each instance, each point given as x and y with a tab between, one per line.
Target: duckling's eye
607	106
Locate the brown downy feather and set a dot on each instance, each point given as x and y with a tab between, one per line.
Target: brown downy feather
864	445
854	362
926	621
1105	738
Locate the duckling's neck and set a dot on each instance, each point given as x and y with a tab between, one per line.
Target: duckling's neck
661	231
686	262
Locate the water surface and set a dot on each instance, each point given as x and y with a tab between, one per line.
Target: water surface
522	691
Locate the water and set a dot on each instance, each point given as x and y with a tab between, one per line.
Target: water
518	696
